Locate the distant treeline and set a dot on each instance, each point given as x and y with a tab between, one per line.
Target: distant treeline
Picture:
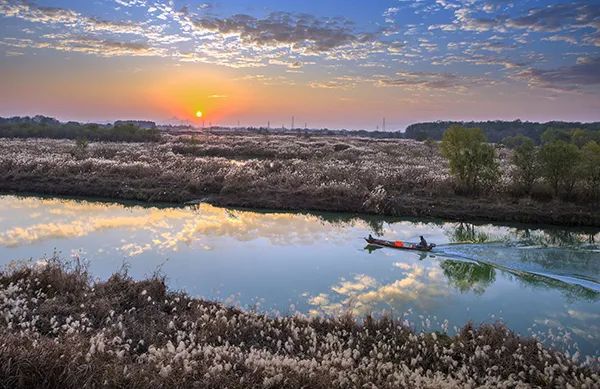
309	132
46	127
498	131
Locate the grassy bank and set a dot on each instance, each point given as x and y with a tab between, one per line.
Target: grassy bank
61	330
391	177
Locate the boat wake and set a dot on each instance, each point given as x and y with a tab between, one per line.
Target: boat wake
574	266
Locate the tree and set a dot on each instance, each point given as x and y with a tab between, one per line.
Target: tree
559	165
581	137
513	142
472	160
554	134
526	167
590	168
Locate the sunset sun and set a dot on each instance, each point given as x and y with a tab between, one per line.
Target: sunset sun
198	114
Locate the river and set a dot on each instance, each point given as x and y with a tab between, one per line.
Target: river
542	282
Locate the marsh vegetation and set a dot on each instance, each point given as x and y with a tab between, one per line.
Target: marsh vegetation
60	329
390	177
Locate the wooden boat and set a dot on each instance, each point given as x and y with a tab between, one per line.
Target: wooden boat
398	244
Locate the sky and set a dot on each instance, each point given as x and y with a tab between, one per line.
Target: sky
327	63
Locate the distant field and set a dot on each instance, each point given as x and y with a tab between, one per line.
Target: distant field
392	177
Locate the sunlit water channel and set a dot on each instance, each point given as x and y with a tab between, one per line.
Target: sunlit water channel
541	282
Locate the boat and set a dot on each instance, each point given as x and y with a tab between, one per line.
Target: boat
398	244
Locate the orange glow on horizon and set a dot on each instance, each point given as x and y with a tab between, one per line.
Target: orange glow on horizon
196	95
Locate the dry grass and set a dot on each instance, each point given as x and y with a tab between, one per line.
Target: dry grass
59	330
393	177
246	165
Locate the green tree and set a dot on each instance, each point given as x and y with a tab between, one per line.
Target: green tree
559	165
526	167
554	134
513	142
590	168
472	160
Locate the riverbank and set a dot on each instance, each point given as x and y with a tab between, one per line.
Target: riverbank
387	177
62	330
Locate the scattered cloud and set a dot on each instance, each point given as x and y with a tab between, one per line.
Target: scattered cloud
562	38
301	33
429	81
52	15
546	18
342	82
430	52
558	17
85	44
585	73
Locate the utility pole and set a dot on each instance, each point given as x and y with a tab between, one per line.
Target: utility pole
292	123
383	124
269	125
305	126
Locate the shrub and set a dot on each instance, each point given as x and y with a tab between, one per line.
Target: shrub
472	161
80	148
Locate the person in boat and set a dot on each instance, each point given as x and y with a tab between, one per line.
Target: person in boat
370	237
423	243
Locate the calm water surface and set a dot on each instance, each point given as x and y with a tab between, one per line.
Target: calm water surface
542	282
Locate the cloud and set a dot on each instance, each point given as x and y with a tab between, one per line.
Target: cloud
299	32
557	17
294	41
52	15
428	81
289	64
585	73
32	13
550	18
592	39
131	3
561	38
86	44
489	45
478	59
342	82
